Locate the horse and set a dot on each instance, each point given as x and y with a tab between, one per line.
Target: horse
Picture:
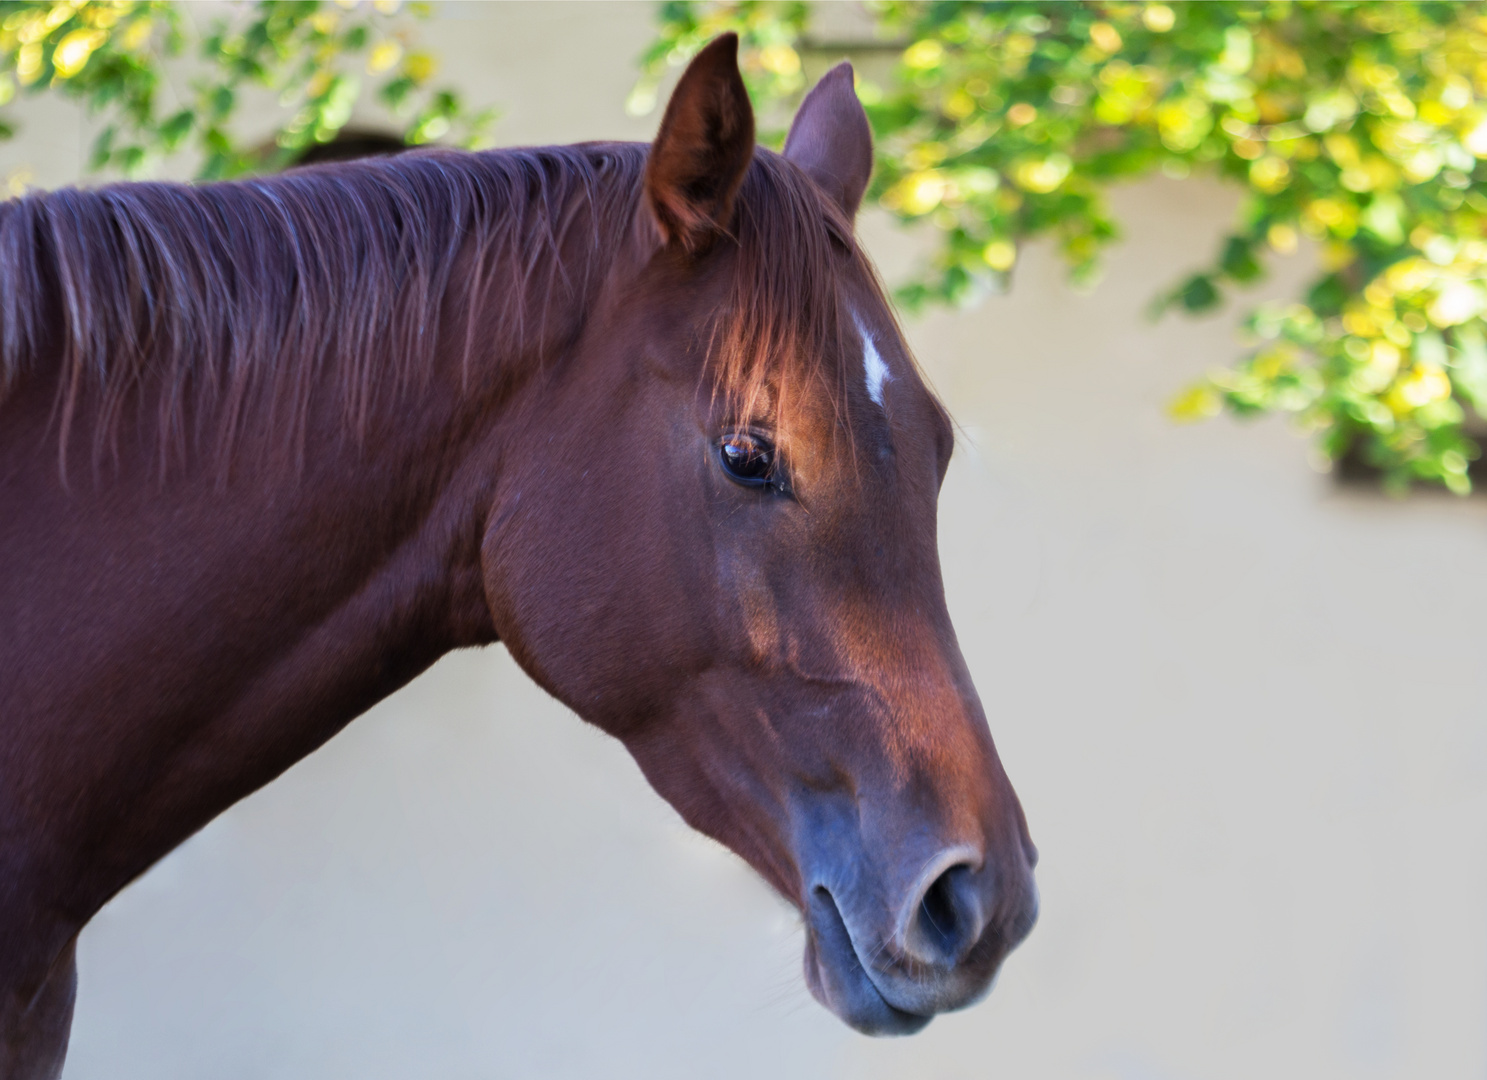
271	447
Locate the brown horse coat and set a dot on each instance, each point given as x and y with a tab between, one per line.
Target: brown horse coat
270	448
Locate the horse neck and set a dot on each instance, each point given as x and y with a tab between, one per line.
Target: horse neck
339	461
200	631
174	638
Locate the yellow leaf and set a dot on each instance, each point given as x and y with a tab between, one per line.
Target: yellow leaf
1269	365
28	63
138	34
72	52
917	193
1196	403
959	105
1021	114
1425	383
1282	238
383	56
925	155
1249	149
999	254
1105	37
1043	176
1455	304
1423	164
1476	140
1379	371
1158	18
1409	275
1342	148
104	16
1327	212
419	67
1336	255
780	60
1433	112
42	25
16	183
1270	174
923	54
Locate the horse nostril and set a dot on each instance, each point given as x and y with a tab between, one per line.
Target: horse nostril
948	918
937	911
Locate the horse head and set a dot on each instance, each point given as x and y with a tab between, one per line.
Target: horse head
741	580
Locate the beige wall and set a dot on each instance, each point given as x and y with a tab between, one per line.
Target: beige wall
1244	711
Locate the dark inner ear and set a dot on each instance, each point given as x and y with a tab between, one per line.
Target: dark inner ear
703	149
831	140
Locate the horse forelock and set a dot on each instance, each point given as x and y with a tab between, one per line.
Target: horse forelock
227	297
778	346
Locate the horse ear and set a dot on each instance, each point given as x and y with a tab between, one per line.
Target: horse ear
703	149
830	139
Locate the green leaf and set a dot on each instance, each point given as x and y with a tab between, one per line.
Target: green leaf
1198	294
176	128
1239	263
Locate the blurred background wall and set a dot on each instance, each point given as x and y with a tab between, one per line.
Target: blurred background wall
1263	818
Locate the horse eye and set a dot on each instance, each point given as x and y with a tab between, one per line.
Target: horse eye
747	459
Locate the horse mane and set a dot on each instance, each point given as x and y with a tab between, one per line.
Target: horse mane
228	294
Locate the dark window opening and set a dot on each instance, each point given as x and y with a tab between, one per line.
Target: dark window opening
350	144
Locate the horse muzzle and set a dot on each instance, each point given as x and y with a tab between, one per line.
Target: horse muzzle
888	969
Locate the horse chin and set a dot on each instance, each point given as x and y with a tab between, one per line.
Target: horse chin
837	978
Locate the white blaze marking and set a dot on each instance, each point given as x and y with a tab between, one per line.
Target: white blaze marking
873	365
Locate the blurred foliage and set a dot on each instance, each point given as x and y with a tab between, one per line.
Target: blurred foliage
1359	125
127	62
